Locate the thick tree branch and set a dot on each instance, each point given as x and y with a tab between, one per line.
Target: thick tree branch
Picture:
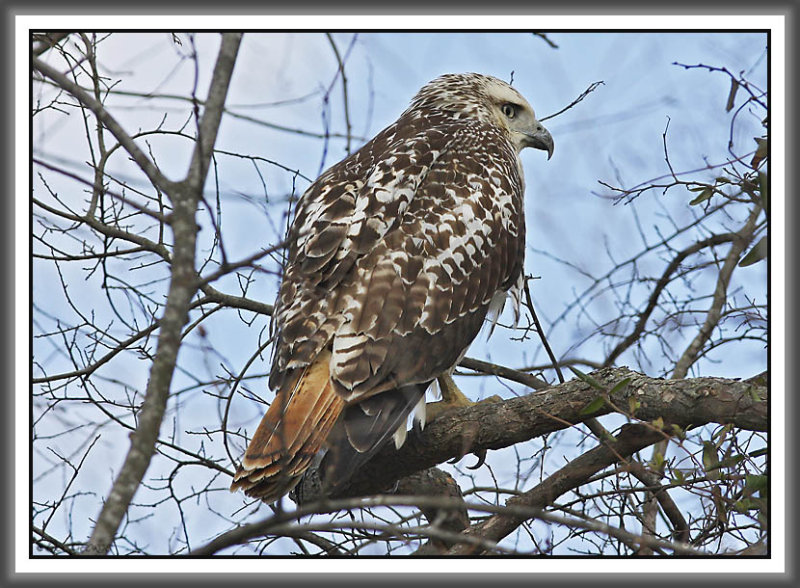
435	482
500	424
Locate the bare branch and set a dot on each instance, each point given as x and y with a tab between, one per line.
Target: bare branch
546	39
592	87
145	164
43	42
631	439
659	287
342	73
486	367
743	239
181	290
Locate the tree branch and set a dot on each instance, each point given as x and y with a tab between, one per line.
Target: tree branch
496	425
453	519
43	42
692	352
485	367
212	113
660	286
145	164
182	288
506	518
631	439
673	513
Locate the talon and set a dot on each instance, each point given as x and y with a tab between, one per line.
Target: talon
481	455
453	398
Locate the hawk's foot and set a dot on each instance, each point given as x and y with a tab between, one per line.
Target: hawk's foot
452	398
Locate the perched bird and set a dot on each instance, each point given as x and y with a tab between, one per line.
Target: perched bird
395	256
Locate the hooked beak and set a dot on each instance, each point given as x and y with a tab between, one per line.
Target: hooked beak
540	138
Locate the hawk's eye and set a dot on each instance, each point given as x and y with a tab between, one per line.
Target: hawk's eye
509	110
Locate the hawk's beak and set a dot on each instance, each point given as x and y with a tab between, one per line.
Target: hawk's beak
540	138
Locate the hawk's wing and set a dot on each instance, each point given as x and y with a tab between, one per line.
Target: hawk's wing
396	253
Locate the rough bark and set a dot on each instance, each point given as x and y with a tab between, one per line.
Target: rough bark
691	402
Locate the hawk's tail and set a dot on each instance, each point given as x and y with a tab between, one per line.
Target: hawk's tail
290	434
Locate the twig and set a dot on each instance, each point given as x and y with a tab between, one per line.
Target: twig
145	164
140	207
509	374
662	283
540	330
344	90
43	42
546	39
592	87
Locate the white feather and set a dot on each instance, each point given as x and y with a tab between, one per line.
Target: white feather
434	389
400	436
419	413
496	305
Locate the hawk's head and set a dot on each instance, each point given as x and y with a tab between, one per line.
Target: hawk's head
490	100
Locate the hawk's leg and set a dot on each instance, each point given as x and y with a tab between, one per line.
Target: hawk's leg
453	398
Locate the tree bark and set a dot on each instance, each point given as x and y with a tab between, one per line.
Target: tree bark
483	426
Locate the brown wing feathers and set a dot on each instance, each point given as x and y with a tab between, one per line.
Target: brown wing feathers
291	432
363	429
394	256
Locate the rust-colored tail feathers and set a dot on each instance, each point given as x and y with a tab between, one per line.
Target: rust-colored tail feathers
291	432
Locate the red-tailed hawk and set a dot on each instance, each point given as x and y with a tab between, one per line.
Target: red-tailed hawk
396	254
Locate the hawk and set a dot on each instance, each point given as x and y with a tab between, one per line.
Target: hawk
395	256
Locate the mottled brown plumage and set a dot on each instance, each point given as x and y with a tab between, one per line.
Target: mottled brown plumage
395	256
